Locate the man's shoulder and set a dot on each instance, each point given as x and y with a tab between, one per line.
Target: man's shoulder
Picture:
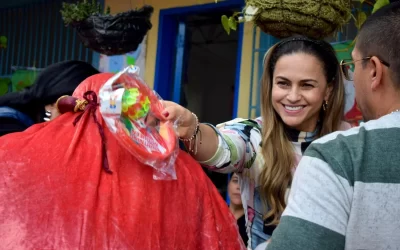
362	149
380	126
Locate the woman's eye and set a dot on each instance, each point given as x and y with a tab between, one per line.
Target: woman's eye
283	84
307	85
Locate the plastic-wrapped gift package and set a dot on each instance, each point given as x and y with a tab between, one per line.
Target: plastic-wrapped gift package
132	112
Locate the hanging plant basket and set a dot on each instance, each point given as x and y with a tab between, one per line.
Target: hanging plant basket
313	18
112	34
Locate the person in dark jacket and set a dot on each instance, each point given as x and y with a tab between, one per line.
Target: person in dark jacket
36	103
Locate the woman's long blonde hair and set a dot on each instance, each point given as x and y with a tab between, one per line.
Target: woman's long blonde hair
277	150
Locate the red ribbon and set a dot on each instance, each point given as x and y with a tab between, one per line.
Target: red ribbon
91	98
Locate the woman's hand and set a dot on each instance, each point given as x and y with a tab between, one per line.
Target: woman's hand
203	149
186	121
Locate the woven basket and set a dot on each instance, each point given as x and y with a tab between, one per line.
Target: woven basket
313	18
115	34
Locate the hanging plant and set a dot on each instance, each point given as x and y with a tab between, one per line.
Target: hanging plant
283	18
3	42
105	33
314	18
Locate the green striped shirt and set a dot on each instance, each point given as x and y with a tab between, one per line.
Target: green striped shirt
346	192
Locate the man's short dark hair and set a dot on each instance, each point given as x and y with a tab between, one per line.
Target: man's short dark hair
380	36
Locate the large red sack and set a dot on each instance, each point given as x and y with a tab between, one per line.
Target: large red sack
54	193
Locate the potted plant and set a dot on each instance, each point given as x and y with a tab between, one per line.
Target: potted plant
105	33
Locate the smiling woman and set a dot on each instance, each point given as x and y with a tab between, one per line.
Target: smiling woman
305	106
299	92
302	98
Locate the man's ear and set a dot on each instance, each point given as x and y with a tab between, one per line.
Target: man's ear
375	71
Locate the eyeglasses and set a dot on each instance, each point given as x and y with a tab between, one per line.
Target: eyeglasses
348	64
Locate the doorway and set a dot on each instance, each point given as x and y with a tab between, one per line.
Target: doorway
208	76
198	64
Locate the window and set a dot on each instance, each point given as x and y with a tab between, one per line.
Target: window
37	37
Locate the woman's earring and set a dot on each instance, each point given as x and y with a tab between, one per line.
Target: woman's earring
48	116
325	105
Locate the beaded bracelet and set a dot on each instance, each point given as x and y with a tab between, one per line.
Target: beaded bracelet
192	141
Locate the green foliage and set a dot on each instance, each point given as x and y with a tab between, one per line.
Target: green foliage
76	12
379	4
231	23
225	23
362	15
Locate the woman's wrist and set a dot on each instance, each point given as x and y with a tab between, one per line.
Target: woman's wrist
190	126
191	138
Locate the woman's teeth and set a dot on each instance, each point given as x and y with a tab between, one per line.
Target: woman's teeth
293	108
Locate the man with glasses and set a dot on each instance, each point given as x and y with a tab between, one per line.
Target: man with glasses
346	190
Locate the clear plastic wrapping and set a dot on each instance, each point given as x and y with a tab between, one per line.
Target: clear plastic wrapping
132	111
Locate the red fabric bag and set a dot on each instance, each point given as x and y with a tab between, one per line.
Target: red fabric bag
54	193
